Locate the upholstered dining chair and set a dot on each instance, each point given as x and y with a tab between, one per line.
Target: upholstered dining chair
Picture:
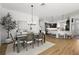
40	38
29	40
16	43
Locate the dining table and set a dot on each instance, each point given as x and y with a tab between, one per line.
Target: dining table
22	36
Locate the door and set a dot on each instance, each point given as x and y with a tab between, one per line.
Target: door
76	29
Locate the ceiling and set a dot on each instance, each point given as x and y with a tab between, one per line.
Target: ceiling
41	10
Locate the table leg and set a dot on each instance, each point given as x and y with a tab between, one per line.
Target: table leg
44	38
18	46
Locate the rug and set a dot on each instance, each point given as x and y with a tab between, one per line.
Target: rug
31	51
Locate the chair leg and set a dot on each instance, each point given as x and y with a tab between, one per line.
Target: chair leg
13	47
38	43
42	42
26	47
23	45
32	45
18	48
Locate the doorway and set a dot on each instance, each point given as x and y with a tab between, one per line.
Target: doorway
76	27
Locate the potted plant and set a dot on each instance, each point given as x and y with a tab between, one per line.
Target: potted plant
7	23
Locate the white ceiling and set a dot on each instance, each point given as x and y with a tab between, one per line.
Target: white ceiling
49	9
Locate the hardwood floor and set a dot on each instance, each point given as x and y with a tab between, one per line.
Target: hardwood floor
62	47
3	48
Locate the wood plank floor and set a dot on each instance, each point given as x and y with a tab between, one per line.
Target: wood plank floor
3	48
62	47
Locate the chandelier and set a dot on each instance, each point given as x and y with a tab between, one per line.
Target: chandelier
32	23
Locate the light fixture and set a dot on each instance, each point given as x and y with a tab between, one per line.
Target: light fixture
32	12
32	23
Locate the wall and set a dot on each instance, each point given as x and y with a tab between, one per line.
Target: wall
22	19
3	34
0	26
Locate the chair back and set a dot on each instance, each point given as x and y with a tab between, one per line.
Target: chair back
30	36
41	35
12	38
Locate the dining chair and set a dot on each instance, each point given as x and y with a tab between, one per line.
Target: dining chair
16	43
29	40
40	38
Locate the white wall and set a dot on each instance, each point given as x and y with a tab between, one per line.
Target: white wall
0	33
0	37
3	34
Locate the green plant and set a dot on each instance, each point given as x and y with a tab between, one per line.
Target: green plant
7	23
